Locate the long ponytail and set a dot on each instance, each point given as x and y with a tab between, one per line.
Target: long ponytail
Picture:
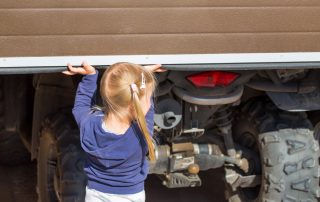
142	121
118	89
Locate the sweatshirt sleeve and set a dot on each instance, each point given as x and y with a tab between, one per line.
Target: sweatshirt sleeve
84	97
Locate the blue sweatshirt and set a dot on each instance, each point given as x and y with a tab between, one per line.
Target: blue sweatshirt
115	164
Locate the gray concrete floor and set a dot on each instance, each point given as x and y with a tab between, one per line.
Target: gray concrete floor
18	183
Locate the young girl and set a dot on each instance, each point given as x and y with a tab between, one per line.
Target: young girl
118	138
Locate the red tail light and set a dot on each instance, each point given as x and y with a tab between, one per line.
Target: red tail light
212	79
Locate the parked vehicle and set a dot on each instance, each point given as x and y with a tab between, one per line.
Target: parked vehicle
241	91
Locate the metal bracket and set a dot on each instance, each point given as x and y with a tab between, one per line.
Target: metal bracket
236	180
247	181
176	180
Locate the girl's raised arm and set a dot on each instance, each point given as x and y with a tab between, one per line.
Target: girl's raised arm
85	91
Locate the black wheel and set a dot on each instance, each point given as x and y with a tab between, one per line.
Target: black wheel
289	154
12	150
60	161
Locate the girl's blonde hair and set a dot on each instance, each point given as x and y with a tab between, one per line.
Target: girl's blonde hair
122	85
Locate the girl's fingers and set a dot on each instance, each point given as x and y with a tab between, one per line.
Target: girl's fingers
76	70
88	68
161	69
84	70
73	69
68	73
85	65
154	68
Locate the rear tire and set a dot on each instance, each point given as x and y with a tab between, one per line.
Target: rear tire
60	161
288	151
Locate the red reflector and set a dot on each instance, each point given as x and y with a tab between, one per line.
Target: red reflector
212	79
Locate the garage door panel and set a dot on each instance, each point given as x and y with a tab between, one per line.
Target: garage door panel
157	44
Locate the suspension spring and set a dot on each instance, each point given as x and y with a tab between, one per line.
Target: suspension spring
223	118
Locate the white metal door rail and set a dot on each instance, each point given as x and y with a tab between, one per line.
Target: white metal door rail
179	62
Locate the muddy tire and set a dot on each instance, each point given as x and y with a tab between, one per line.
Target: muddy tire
289	154
60	161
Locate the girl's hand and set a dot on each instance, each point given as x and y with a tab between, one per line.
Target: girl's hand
155	68
84	70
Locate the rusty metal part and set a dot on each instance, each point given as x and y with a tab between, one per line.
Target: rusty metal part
193	169
244	165
206	156
182	147
194	148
